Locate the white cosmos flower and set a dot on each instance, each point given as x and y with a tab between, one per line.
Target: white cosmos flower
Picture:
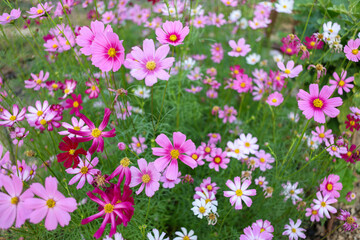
201	208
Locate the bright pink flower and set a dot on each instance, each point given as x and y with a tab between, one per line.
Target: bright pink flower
290	71
107	52
239	48
52	204
170	153
108	17
349	221
172	33
49	120
313	213
12	204
6	18
149	64
331	186
94	90
228	114
74	104
18	135
322	204
96	134
313	43
147	175
122	170
40	10
114	207
275	99
84	171
239	192
217	159
317	105
321	135
243	83
207	184
342	83
11	118
352	51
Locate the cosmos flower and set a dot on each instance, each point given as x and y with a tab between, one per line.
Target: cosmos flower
239	192
172	33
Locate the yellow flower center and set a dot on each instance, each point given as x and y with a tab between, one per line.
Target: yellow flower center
93	88
150	65
8	17
145	178
321	135
329	187
349	153
313	212
262	160
14	200
292	192
173	37
207	149
77	128
274	100
238	49
50	203
312	43
12	118
209	187
75	104
355	51
352	123
262	230
31	172
350	220
138	145
108	208
194	156
84	170
174	154
334	148
186	238
237	151
293	230
95	133
260	183
43	122
72	151
54	85
38	81
243	85
323	204
201	210
289	50
236	72
287	71
125	162
67	91
318	103
217	159
39	11
54	45
112	52
239	193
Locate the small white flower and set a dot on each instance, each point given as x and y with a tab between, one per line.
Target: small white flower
209	198
201	208
253	58
116	236
157	235
198	11
184	233
284	6
248	143
142	92
293	117
189	63
235	15
331	28
243	23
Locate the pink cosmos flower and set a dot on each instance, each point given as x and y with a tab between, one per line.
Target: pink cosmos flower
84	171
217	159
138	144
211	93
313	213
243	83
351	50
294	230
77	125
36	112
37	81
239	192
322	204
349	221
74	104
321	135
149	64
207	184
96	134
121	146
6	18
40	10
18	135
261	181
12	203
94	90
320	70
107	52
194	89
255	233
115	207
11	118
313	43
275	99
52	204
122	170
86	36
263	160
290	71
335	150
331	186
108	17
172	33
167	183
69	87
265	226
49	120
350	196
228	114
147	175
200	21
317	105
214	137
123	111
231	3
342	83
239	48
170	153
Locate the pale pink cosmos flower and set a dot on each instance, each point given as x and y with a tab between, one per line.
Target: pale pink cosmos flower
198	157
248	143
275	99
263	160
312	213
172	33
321	135
9	119
255	233
40	10
264	225
86	36
167	183
84	171
36	112
193	89
239	192
290	71
236	149
18	136
239	48
210	186
331	186
349	221
352	51
355	112
261	181
228	114
149	64
214	137
217	158
12	204
107	52
212	93
108	17
318	104
77	125
170	153
322	204
200	21
342	83
294	231
7	18
320	70
52	205
69	87
123	111
147	175
335	150
138	145
231	3
37	81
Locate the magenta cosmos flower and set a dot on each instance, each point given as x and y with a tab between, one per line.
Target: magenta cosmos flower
275	99
217	158
317	105
107	52
239	48
331	186
122	170
52	204
149	64
171	153
290	71
342	83
147	176
74	104
115	207
172	33
351	50
12	203
96	134
39	10
239	192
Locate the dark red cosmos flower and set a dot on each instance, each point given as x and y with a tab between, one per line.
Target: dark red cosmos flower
351	155
154	1
71	154
352	123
